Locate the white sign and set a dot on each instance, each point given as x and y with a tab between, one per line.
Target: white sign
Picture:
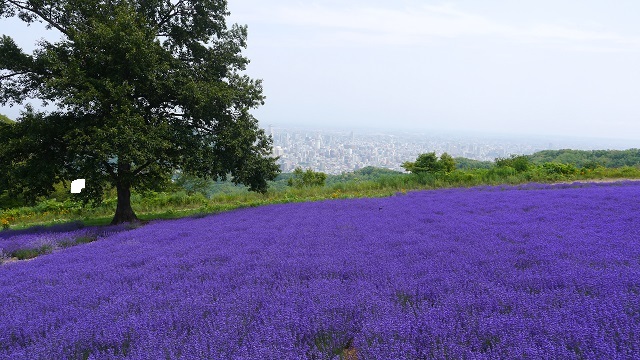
77	186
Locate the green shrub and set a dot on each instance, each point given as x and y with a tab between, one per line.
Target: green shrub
392	181
429	162
559	169
49	206
502	172
308	178
591	165
465	178
24	254
519	163
629	171
446	163
85	239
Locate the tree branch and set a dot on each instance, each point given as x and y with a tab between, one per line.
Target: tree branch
110	170
14	74
171	13
41	15
142	167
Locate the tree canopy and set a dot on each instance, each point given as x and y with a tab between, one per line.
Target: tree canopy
429	162
470	164
589	158
141	88
5	119
308	178
518	162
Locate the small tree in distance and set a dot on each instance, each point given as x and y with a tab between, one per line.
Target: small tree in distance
306	178
429	162
520	163
447	163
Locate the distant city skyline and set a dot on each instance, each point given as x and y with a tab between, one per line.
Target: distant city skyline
336	151
540	68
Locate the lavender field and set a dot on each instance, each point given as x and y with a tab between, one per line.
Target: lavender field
47	239
535	271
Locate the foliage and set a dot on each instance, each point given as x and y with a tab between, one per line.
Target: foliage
223	196
424	163
141	88
192	184
306	178
429	162
24	254
561	169
588	158
280	183
367	173
591	165
446	163
370	172
519	163
4	119
470	164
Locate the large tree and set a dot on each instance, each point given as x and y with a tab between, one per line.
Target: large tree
142	89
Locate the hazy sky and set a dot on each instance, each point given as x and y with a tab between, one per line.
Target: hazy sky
526	67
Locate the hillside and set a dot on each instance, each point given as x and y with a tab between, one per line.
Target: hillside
533	271
186	195
589	158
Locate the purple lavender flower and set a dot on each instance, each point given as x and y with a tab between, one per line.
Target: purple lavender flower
533	271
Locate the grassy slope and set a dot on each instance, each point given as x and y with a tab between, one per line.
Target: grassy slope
179	204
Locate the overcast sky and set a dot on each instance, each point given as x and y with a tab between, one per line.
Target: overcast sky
523	67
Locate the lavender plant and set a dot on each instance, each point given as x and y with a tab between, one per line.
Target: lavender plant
38	240
485	273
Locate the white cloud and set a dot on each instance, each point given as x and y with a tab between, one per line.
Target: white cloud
587	40
379	25
348	25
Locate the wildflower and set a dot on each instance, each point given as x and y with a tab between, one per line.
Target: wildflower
4	223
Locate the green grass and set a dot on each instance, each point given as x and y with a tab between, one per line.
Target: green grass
173	205
24	254
30	253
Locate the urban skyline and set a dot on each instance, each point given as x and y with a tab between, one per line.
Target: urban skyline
335	151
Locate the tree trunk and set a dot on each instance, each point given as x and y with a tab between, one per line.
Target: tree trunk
124	212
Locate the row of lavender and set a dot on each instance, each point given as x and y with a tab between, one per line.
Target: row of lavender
50	237
465	273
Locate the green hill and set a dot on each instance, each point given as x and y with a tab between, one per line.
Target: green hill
470	164
588	158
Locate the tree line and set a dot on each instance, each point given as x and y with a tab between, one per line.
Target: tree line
588	158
